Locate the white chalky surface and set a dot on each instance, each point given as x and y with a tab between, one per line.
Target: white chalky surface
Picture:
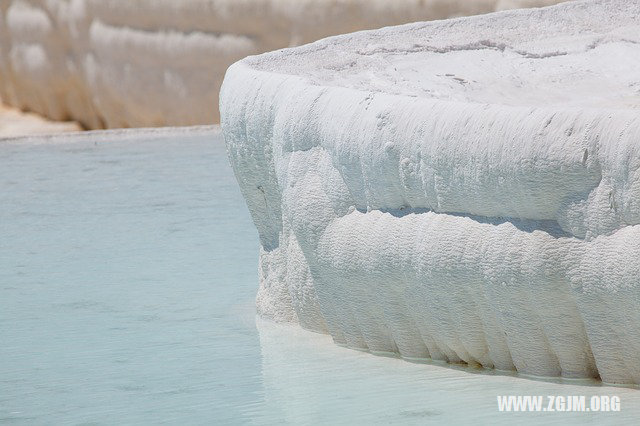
462	190
141	63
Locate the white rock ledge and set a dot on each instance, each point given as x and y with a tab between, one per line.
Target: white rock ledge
462	190
136	63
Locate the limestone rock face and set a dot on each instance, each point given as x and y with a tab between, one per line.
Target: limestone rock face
462	190
136	63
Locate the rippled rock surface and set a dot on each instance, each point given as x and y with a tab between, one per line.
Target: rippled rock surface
463	190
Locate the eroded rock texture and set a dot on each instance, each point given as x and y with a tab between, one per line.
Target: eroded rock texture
463	190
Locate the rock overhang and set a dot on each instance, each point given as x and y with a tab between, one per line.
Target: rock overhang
417	217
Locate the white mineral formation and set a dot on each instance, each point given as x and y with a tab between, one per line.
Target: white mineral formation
133	63
463	190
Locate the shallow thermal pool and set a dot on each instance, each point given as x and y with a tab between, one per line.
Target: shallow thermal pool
128	271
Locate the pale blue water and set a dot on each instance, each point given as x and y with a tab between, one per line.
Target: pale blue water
127	280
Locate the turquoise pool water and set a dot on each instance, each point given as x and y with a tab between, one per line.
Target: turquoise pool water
127	281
